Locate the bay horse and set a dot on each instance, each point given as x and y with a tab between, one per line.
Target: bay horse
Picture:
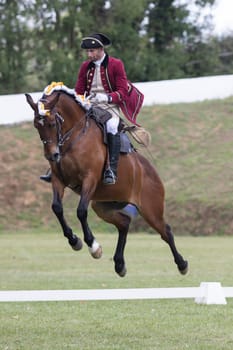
73	145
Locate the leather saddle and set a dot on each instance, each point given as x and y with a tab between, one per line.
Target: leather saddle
101	116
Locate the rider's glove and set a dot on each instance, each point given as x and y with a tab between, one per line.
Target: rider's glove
100	98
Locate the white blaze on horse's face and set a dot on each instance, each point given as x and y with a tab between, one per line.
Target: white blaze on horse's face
41	121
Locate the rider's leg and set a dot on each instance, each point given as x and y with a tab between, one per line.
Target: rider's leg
114	144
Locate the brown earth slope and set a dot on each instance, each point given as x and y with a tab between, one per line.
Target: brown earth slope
192	147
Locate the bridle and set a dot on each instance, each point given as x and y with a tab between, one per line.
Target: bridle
58	124
61	138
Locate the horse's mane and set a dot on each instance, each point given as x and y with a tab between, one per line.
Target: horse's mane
60	87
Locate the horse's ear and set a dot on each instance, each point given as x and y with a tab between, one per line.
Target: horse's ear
31	102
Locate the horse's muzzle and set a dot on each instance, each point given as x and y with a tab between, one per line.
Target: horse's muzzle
54	157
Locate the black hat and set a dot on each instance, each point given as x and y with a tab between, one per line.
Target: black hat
94	41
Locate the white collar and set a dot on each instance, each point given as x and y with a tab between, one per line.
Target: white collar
98	63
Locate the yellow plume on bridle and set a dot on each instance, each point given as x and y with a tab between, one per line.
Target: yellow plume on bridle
50	87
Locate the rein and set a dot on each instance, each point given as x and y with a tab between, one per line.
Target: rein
62	139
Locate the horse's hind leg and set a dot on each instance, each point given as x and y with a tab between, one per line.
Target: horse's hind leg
153	214
108	213
123	227
167	235
57	208
181	263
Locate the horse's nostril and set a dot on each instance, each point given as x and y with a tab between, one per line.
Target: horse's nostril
56	156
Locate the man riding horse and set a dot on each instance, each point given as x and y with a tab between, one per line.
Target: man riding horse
103	80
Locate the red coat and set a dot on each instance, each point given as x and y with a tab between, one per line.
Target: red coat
115	83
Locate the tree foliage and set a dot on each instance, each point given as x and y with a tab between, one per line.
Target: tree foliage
13	45
40	40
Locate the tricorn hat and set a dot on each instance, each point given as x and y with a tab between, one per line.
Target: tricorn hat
94	41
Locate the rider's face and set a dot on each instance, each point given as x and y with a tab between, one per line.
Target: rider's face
95	54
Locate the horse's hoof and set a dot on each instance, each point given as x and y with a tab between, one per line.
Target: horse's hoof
123	272
96	250
184	269
98	253
78	245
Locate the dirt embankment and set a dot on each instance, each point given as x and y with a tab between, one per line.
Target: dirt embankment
25	200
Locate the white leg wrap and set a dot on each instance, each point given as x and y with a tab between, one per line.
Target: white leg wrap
95	246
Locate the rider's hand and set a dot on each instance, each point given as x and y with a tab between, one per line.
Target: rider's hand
100	98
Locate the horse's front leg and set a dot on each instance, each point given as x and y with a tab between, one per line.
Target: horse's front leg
82	210
57	207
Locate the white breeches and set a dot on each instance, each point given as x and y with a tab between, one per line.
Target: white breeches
112	124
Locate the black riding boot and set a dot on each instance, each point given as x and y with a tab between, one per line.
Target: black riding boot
114	145
47	177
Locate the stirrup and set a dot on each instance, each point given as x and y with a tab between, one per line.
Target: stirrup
109	177
46	178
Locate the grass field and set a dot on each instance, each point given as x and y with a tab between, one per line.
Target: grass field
45	261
